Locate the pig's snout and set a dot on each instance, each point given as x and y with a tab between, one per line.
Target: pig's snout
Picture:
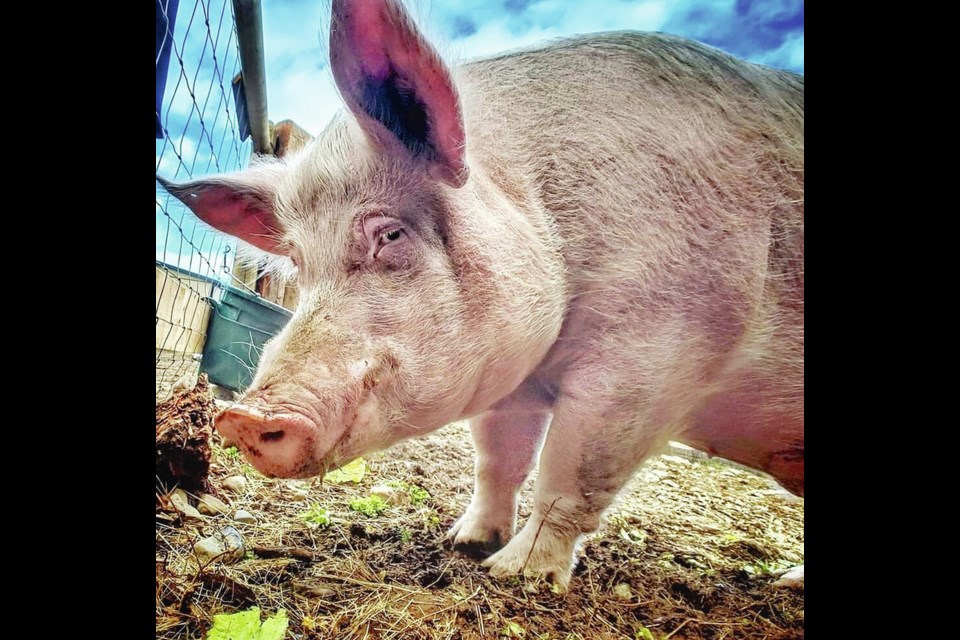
278	444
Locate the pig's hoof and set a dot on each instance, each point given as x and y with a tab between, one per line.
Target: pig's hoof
792	579
472	538
552	559
478	549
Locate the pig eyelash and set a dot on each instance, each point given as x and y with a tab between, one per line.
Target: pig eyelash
388	236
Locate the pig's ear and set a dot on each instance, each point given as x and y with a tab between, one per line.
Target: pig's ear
237	204
397	85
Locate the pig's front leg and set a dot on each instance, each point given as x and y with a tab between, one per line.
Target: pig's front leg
596	441
507	440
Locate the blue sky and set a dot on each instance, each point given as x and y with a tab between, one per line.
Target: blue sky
300	85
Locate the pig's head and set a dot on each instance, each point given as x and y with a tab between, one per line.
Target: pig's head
424	295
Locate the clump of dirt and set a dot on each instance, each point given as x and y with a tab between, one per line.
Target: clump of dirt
689	551
184	429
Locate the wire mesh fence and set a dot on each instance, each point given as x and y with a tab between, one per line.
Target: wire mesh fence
199	132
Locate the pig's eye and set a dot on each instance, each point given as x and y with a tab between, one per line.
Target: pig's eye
391	236
387	237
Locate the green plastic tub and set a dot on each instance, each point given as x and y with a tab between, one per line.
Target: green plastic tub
240	323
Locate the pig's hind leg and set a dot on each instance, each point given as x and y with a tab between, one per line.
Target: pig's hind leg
507	439
601	431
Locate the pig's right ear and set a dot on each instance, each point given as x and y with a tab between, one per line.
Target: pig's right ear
239	204
397	86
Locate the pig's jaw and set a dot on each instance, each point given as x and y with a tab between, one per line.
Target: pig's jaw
290	443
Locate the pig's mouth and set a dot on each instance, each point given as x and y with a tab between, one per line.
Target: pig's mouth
281	444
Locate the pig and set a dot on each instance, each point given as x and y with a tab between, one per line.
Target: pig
587	248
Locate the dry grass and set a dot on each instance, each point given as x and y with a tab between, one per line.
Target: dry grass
693	540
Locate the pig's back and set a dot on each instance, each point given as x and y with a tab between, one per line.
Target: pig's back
645	150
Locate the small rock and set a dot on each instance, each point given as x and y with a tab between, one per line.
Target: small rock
314	591
623	592
382	491
226	545
190	513
207	549
236	484
212	505
181	503
390	495
186	382
179	499
297	490
298	494
244	516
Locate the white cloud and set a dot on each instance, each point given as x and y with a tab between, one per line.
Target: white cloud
789	55
648	16
495	37
299	85
304	94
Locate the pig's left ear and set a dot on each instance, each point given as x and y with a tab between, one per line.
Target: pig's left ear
397	86
240	204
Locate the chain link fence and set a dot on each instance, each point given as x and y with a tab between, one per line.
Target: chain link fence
199	132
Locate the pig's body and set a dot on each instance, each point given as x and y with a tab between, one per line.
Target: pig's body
614	259
672	177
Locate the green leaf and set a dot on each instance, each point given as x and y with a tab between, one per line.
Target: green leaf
418	495
245	625
513	630
372	506
644	634
316	516
351	472
236	626
274	628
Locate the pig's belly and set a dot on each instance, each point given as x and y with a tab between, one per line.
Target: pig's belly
757	425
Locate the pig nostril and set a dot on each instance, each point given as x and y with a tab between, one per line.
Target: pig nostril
271	436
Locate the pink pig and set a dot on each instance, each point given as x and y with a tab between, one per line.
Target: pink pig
588	248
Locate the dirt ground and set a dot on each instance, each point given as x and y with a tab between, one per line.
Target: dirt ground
689	551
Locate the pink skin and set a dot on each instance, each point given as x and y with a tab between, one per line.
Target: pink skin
592	286
508	438
286	445
280	430
302	430
386	240
369	41
244	215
